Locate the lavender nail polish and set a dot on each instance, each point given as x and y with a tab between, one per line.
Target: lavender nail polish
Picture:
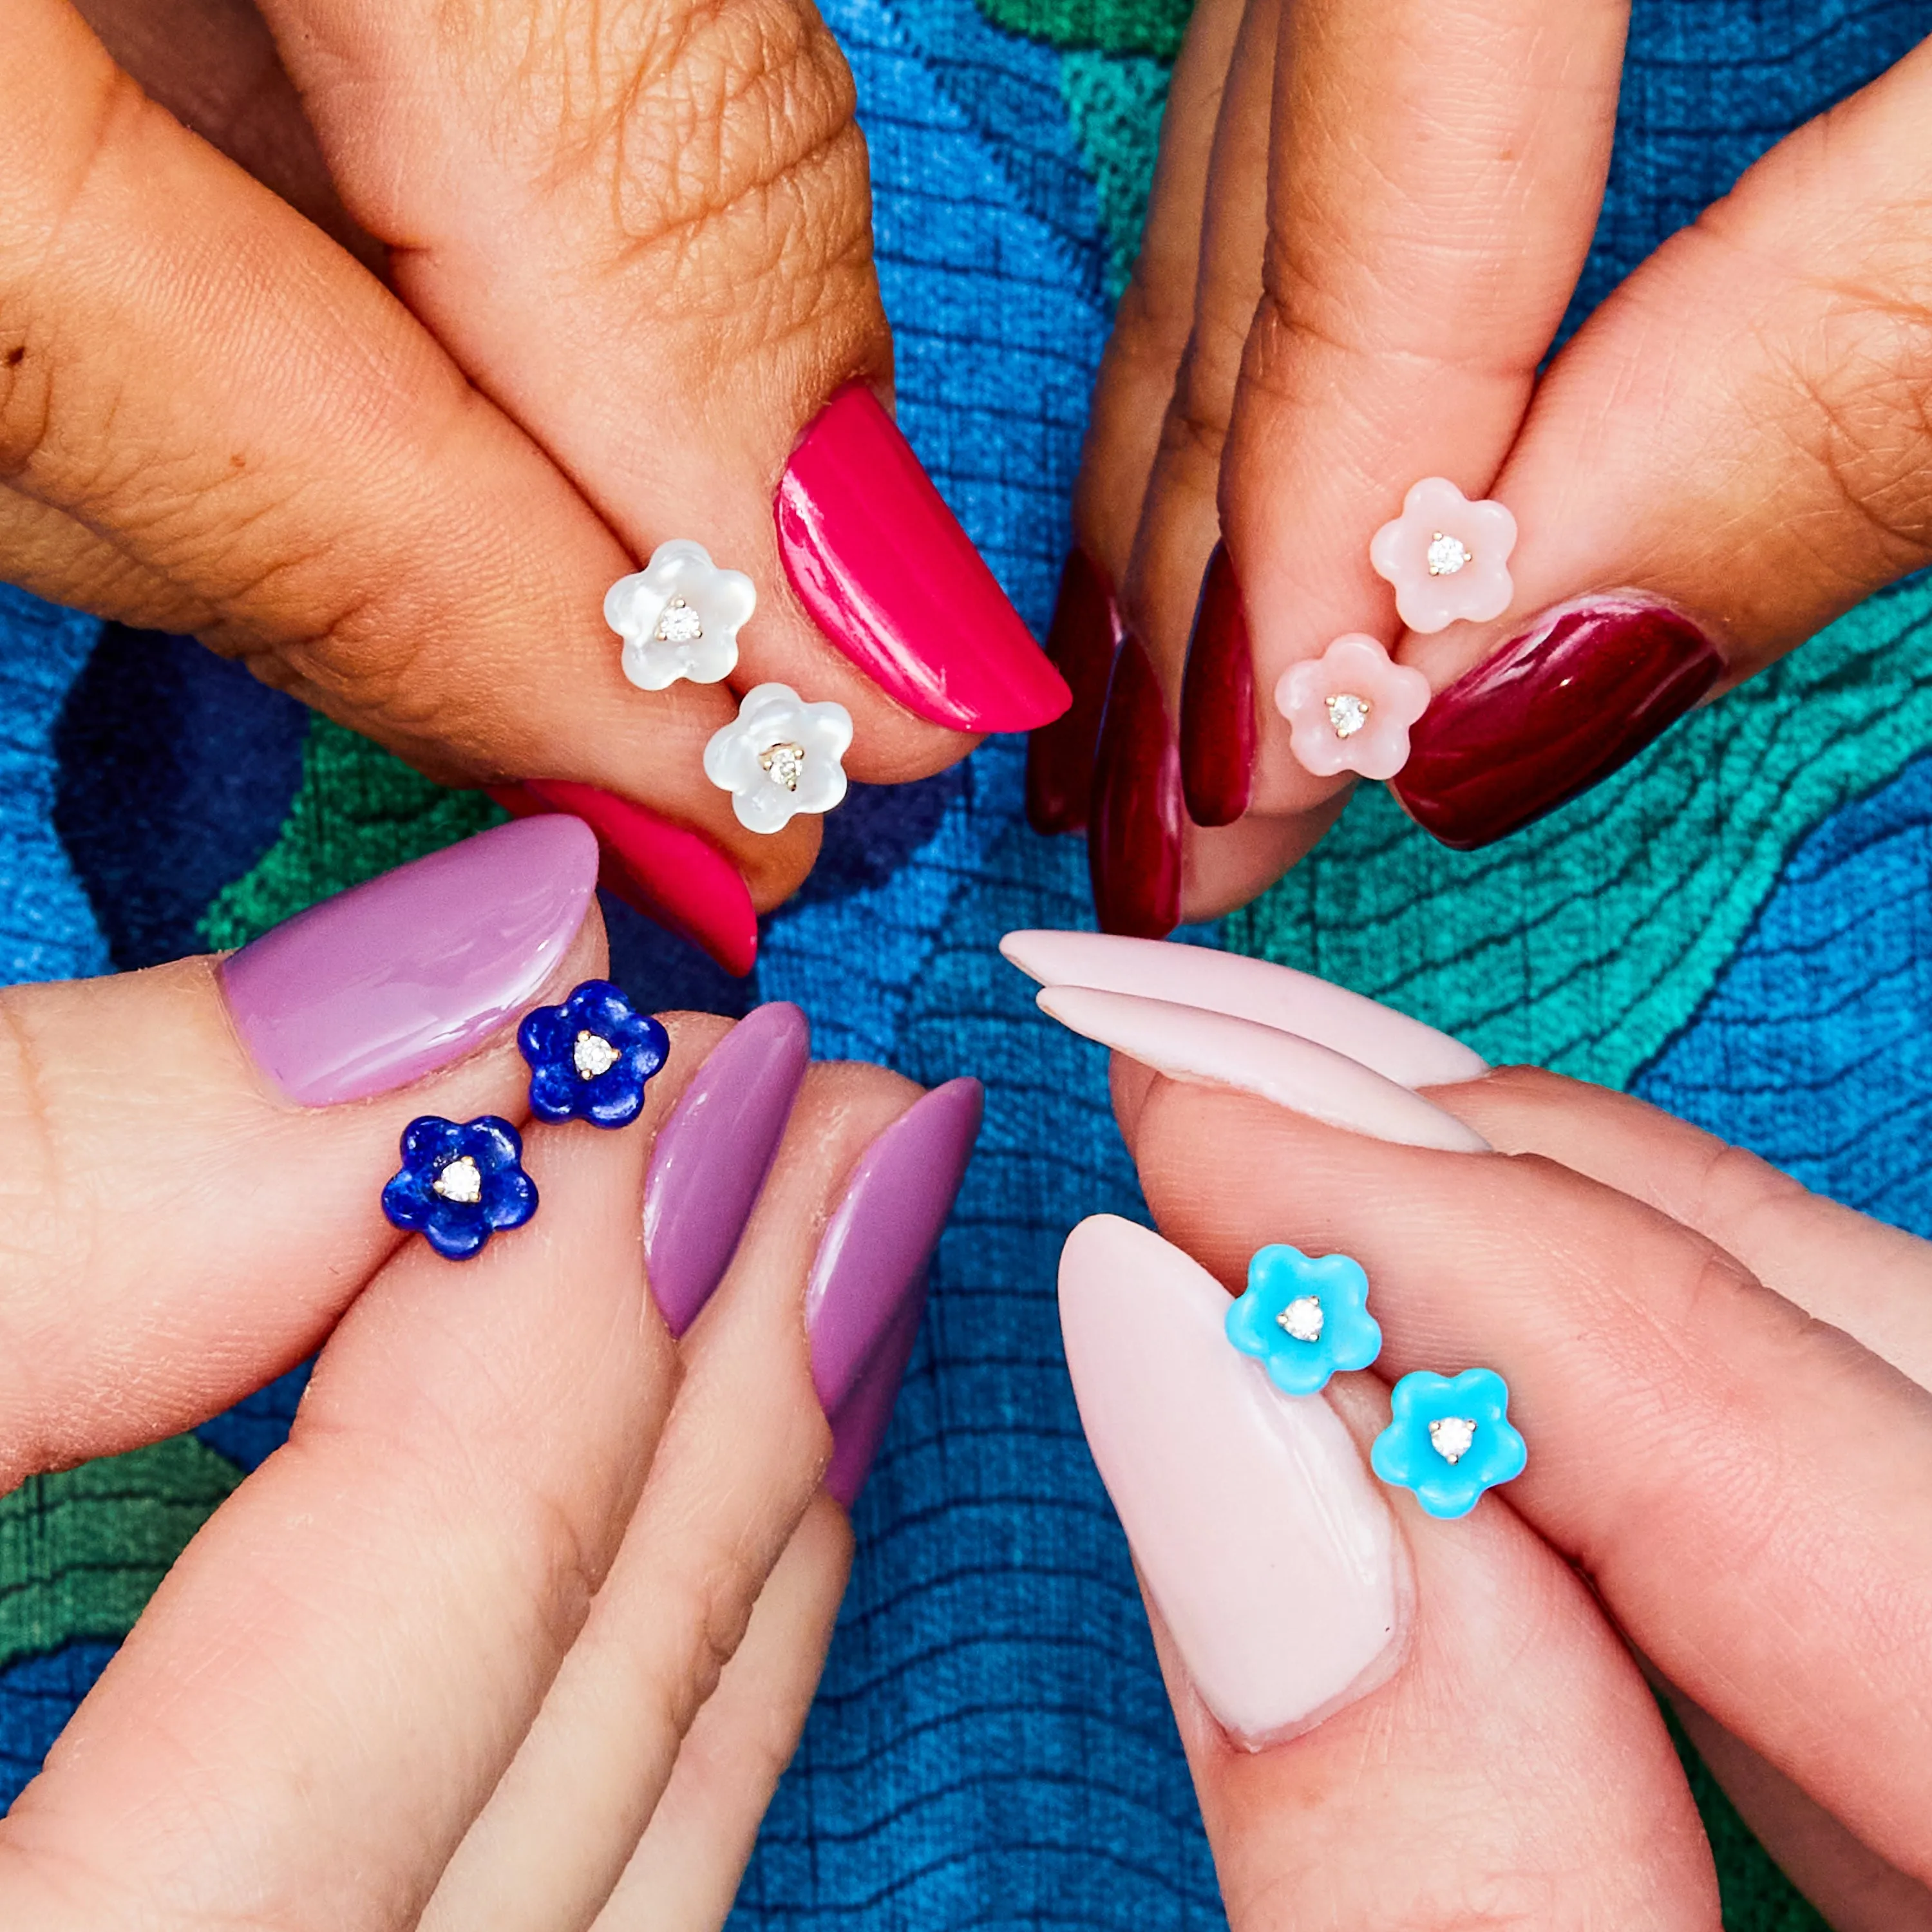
860	1425
713	1154
389	981
873	1254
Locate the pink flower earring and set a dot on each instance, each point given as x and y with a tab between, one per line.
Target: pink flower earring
1351	708
1446	556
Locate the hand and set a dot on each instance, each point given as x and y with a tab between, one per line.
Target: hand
452	1653
1367	225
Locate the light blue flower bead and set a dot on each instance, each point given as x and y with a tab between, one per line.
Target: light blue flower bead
1451	1439
1305	1317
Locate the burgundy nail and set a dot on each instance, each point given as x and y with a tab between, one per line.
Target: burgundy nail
873	1254
375	988
860	1425
1133	837
1081	641
1557	709
1217	701
712	1155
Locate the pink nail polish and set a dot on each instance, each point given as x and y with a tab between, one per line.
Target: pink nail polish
860	1425
891	578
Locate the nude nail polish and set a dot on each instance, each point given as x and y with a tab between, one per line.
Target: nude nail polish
1081	641
1273	1560
1134	832
1571	698
1217	701
888	574
405	974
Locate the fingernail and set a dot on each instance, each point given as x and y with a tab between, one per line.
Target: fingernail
860	1425
712	1155
668	872
392	979
1557	709
1272	1560
873	1254
1217	701
1133	837
1081	642
1212	1049
891	578
1393	1045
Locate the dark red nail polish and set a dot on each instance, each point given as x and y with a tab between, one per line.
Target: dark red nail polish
1555	711
1217	701
1133	837
1084	634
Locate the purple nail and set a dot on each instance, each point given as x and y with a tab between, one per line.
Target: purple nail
376	987
713	1153
873	1254
860	1427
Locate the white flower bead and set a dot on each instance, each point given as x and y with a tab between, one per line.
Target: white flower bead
781	756
679	615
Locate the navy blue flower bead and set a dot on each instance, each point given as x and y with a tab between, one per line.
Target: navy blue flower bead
1305	1317
459	1184
592	1057
1451	1439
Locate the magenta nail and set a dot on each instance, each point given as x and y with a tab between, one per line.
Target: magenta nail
860	1425
872	1256
391	980
713	1155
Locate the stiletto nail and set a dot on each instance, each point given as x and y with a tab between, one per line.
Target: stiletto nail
1133	836
860	1425
1273	1558
385	983
670	873
1081	642
709	1166
1210	1049
1244	988
1563	704
891	578
1217	701
873	1254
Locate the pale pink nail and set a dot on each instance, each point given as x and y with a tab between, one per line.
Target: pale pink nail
1264	1543
1350	709
1446	557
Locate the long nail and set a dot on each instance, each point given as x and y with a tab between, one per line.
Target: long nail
890	577
1272	1559
1211	1049
873	1254
670	873
1391	1043
375	988
1559	707
1217	701
860	1425
712	1155
1082	640
1133	836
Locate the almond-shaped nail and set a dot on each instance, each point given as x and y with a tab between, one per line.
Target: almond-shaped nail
1081	641
397	977
1134	832
1273	1561
708	1165
888	575
1217	701
860	1425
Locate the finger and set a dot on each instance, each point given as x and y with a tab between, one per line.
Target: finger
1729	454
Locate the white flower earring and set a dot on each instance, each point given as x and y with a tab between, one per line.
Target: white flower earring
780	756
680	616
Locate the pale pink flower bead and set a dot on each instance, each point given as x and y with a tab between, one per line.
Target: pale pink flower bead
1446	557
1351	708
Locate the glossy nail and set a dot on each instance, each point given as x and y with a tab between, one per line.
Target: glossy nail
1217	701
1393	1045
860	1425
891	578
1211	1049
394	979
1081	641
1133	836
1273	1560
872	1256
709	1166
1555	710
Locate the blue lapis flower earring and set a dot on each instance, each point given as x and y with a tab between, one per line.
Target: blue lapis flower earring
1450	1440
592	1057
460	1183
1305	1317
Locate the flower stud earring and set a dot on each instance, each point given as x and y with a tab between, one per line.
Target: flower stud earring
459	1184
780	756
680	616
591	1058
1446	557
1351	708
1450	1440
1304	1317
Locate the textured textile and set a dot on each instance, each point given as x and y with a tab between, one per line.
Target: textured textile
1738	927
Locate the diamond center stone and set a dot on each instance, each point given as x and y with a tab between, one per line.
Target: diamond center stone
786	764
1348	713
1446	554
460	1180
1449	1436
593	1054
679	624
1302	1318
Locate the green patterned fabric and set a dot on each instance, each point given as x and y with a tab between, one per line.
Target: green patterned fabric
1111	26
1114	102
